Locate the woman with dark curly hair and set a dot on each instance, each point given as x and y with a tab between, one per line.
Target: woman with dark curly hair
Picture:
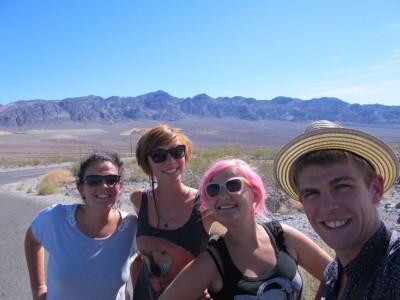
90	246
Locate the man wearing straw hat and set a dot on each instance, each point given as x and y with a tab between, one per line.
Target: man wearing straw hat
339	175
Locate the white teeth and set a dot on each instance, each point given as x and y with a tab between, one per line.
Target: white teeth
226	206
103	196
335	224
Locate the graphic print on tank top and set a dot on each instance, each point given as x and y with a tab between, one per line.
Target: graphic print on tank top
164	260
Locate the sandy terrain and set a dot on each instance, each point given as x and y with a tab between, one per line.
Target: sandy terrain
73	142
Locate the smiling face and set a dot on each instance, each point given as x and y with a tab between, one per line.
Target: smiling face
230	207
169	170
103	196
340	206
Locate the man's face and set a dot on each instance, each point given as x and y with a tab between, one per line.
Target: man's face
340	206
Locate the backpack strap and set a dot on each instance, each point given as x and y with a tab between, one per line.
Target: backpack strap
376	258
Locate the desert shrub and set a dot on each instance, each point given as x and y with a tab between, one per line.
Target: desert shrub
23	186
74	167
35	161
135	173
47	188
54	180
61	177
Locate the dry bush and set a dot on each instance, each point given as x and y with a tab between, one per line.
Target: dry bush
135	173
54	180
60	177
47	188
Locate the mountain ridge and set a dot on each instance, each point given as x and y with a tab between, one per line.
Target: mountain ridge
162	106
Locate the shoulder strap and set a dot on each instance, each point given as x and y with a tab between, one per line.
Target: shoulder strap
276	230
376	258
217	262
143	206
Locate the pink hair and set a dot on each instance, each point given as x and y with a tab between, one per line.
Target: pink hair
245	170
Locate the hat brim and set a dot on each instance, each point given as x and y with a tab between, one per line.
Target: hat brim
374	150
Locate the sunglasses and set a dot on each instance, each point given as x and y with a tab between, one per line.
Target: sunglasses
160	155
233	185
96	180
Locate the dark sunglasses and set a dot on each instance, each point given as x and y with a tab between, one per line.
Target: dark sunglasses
233	185
96	180
160	155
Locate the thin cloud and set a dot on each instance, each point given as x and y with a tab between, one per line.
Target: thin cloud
356	93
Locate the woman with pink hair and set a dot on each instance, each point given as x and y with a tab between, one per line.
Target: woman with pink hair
251	260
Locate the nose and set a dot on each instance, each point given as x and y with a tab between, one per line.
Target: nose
328	202
169	157
223	193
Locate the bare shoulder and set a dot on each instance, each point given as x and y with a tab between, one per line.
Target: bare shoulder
291	231
295	238
136	199
287	229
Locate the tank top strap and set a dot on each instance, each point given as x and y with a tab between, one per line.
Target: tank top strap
144	207
276	233
228	266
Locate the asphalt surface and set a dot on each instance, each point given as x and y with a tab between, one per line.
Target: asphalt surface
18	175
16	214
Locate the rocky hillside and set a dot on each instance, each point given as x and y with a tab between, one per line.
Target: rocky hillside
162	106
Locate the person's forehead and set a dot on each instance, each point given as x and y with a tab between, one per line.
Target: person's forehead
101	166
331	171
225	174
167	146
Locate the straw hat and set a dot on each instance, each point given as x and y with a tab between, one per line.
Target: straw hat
328	135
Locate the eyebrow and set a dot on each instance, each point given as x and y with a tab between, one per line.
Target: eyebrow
332	182
342	178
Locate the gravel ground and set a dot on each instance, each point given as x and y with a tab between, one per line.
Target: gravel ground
389	207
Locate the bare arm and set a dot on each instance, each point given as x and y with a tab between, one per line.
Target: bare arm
135	267
136	200
197	276
34	253
309	255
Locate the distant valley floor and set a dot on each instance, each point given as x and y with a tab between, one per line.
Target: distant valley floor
80	138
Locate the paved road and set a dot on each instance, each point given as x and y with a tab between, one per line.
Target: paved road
16	214
18	175
15	218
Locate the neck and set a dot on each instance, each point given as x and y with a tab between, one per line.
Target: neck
235	233
97	224
169	194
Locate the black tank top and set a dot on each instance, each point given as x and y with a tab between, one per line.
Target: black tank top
283	282
166	253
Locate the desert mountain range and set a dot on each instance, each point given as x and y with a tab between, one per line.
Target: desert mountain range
159	105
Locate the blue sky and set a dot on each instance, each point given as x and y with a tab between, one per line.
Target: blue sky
56	49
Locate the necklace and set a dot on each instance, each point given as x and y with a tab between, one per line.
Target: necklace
165	223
